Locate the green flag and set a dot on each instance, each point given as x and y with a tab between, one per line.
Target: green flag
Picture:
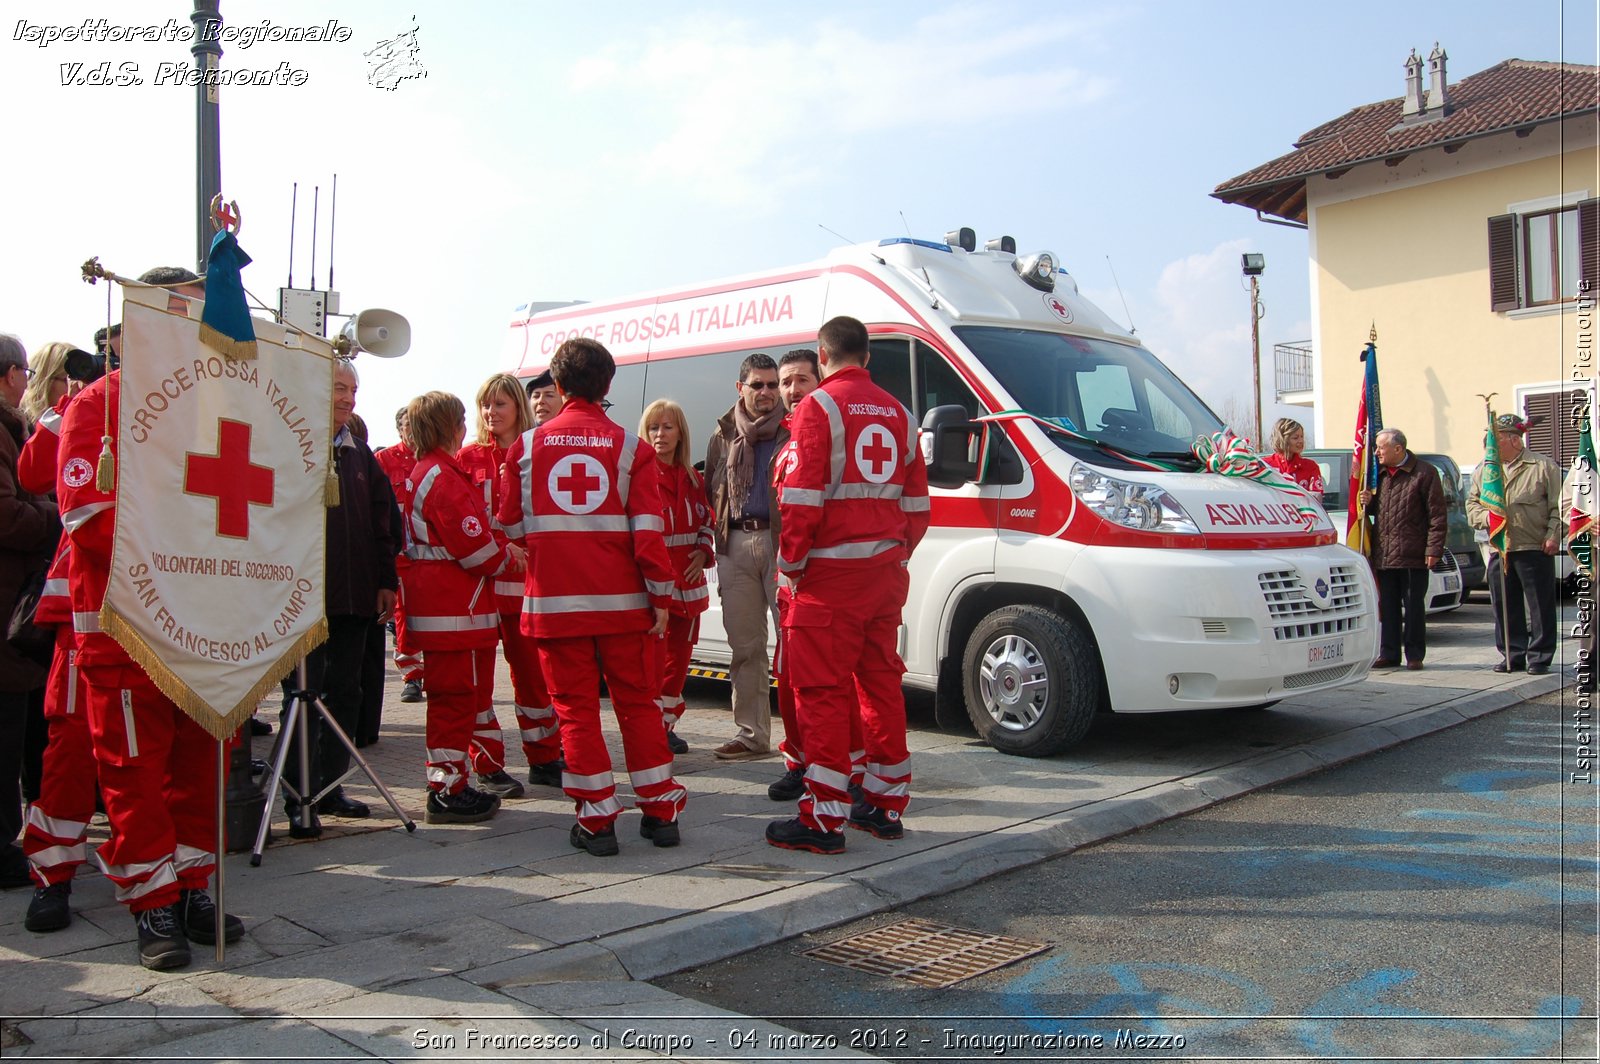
1492	489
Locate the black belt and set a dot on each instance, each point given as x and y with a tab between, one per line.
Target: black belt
752	524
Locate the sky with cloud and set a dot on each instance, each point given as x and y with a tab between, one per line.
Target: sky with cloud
567	151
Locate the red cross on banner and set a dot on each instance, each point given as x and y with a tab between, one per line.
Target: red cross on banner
231	478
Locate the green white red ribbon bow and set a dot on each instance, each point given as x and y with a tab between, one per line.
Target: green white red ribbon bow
1232	456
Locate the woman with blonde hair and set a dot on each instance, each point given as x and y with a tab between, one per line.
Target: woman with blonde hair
455	555
1288	443
503	415
690	547
47	380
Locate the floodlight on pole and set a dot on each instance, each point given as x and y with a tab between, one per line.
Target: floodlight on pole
1253	263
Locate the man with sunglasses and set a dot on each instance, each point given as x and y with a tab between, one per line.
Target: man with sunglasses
738	478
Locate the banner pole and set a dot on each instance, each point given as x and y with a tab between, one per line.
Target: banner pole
221	846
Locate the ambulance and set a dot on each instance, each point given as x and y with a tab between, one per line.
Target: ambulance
1081	559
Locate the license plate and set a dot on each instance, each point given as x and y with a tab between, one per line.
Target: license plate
1329	653
1452	582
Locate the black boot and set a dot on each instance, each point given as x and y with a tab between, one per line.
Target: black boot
162	944
198	914
49	910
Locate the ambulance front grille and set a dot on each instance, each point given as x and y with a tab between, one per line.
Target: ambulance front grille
1293	615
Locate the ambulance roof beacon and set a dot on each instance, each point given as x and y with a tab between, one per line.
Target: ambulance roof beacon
1083	555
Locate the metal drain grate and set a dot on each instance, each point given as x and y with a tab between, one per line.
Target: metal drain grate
926	953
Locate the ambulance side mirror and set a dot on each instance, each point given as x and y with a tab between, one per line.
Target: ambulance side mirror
950	446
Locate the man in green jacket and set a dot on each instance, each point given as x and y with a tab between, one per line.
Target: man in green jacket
1525	578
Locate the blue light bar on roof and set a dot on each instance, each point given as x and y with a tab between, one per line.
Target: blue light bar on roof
931	245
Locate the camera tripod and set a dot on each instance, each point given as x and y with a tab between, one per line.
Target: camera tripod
296	722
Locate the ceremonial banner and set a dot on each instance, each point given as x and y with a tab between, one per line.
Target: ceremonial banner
1492	489
217	570
1364	456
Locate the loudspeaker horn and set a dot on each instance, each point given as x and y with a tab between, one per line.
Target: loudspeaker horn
377	332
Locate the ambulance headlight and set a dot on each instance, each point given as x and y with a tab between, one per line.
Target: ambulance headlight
1038	270
1131	504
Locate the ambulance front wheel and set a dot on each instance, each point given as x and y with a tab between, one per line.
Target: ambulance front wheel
1032	680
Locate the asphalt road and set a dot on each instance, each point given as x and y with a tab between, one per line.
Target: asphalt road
1436	901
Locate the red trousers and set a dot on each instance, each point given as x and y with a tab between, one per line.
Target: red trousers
573	668
158	779
58	819
793	745
673	655
840	633
407	658
536	717
457	683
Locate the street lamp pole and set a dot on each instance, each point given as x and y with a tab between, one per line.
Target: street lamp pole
1252	264
207	52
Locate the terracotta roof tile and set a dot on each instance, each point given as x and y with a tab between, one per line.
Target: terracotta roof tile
1514	94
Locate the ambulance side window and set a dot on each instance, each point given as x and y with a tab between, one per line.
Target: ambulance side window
704	385
941	385
890	367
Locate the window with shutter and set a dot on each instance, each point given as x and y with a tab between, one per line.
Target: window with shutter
1589	243
1554	432
1503	287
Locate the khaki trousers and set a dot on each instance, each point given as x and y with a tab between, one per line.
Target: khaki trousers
747	584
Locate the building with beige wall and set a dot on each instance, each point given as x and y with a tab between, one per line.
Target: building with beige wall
1460	221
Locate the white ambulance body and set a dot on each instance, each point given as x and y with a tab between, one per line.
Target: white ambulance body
1078	559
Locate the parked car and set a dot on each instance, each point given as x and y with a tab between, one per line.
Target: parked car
1460	539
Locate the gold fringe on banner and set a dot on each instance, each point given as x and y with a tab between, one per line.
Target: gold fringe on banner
194	706
105	471
226	346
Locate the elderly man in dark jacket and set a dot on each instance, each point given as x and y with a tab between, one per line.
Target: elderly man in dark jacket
1409	508
362	543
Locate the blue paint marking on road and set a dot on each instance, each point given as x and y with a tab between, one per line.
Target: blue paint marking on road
1441	874
1141	996
1365	996
1484	782
1490	818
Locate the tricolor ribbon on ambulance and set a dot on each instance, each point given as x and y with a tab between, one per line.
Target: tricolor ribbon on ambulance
1230	455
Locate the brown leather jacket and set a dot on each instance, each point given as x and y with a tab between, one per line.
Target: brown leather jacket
1411	515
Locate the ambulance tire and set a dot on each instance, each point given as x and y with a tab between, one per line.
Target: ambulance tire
1020	647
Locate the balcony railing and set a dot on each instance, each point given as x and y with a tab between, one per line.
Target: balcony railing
1292	362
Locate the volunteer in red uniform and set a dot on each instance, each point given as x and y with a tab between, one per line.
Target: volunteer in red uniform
58	820
397	461
854	506
156	766
1288	443
503	415
456	555
598	590
691	548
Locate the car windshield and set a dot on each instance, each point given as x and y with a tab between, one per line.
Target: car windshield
1118	395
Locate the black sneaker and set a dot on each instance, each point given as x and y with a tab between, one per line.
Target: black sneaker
412	691
161	942
499	783
794	835
660	832
602	843
789	786
875	820
676	743
466	806
547	774
199	915
49	911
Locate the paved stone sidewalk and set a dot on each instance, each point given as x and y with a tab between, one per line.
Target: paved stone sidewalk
372	942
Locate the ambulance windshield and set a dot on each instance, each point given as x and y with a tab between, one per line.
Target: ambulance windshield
1121	397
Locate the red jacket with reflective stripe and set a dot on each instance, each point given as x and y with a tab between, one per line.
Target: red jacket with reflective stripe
455	555
586	500
484	465
397	462
36	463
855	489
89	515
683	504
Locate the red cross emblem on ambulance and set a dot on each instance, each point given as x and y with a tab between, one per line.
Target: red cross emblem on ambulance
578	484
1055	305
876	453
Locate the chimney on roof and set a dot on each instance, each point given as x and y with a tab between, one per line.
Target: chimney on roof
1413	105
1438	100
